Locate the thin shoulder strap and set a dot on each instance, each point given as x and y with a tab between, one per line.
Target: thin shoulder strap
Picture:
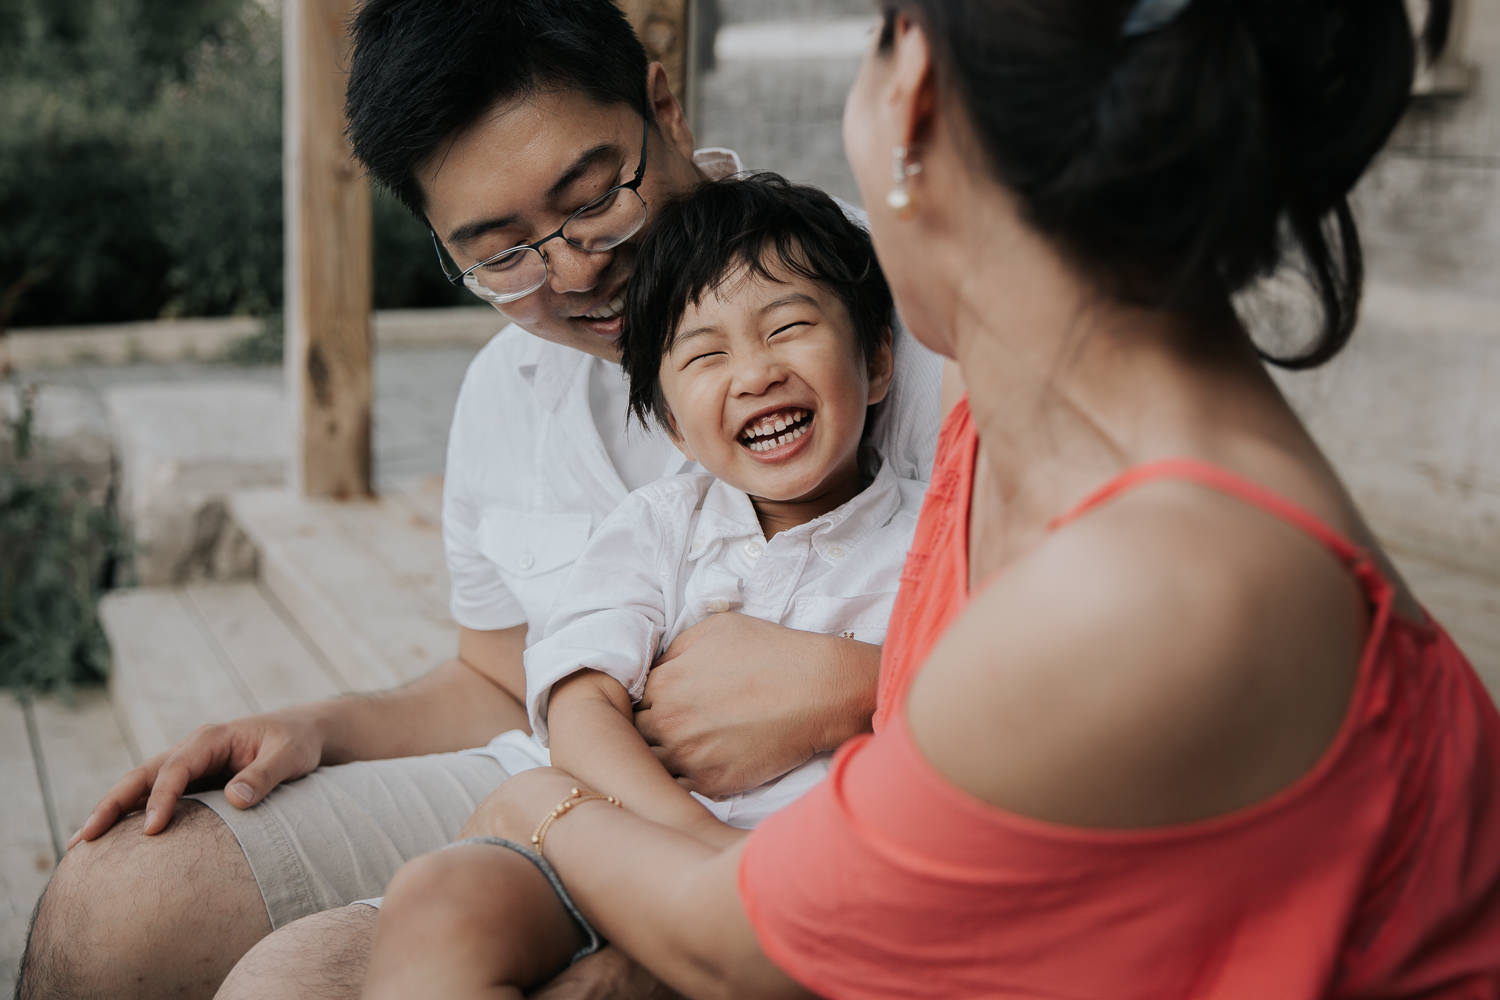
1217	478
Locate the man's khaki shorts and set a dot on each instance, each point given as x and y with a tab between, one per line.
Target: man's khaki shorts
337	835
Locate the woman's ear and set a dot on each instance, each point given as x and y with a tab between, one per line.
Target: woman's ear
671	120
882	367
912	94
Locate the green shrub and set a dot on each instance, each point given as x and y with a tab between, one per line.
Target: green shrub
78	243
58	545
140	166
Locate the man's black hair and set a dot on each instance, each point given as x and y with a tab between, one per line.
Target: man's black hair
425	70
760	222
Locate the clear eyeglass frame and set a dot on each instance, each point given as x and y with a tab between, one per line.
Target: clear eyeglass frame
598	227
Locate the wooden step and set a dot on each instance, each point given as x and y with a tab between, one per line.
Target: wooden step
186	656
365	580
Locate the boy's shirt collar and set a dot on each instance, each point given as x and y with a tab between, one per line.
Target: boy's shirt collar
727	515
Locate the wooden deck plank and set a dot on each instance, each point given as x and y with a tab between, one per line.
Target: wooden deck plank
422	496
83	753
26	854
169	677
409	548
374	630
272	661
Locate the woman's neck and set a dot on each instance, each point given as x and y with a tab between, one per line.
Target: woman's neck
1075	387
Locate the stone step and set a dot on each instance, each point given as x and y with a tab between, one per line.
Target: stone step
364	581
210	652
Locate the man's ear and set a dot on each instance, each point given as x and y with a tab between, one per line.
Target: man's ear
671	120
882	367
670	423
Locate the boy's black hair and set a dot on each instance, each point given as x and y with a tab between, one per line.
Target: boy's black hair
425	70
759	221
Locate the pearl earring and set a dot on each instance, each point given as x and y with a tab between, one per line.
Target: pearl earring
898	198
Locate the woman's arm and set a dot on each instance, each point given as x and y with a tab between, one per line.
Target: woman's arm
594	740
666	898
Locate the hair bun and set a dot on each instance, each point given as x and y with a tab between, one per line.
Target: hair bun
1337	75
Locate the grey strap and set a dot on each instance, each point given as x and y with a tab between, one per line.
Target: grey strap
594	942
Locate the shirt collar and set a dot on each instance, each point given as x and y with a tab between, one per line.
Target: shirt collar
727	515
717	163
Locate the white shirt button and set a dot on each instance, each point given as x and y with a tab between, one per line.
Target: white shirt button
837	552
526	561
753	548
716	605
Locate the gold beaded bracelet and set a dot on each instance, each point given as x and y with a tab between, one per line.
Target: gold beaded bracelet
576	797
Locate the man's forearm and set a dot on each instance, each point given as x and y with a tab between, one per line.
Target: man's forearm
454	707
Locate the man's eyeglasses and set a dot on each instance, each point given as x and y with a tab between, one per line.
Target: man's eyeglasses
601	225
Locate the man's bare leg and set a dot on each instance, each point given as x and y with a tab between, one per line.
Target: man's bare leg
136	916
321	957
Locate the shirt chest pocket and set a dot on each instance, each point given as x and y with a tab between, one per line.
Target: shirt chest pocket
532	553
866	616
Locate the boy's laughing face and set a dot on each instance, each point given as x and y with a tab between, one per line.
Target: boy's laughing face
767	389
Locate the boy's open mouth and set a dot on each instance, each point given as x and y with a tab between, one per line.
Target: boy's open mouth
772	430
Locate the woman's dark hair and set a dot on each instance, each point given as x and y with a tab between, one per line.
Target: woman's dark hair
757	221
424	70
1181	165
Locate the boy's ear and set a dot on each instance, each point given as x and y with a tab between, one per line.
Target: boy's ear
670	422
882	367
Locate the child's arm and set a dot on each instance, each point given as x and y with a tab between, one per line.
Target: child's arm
594	739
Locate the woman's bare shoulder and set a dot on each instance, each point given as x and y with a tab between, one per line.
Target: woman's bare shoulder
1173	656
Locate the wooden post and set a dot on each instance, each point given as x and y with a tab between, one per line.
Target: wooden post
328	259
663	28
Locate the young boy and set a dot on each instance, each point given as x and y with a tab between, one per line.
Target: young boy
757	332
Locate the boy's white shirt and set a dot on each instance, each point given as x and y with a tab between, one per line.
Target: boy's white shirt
529	478
681	549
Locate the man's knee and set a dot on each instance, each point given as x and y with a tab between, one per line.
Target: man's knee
450	893
323	955
134	915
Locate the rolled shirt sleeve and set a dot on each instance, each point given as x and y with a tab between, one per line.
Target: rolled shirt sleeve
611	613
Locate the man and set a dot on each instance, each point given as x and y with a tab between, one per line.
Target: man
533	139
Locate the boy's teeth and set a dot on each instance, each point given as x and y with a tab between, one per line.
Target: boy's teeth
773	425
766	444
615	306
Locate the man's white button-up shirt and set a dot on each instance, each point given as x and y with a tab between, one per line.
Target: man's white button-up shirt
683	548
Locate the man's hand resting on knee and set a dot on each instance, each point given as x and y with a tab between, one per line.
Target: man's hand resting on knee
736	701
258	752
460	704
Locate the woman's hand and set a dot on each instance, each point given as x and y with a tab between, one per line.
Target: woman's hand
515	809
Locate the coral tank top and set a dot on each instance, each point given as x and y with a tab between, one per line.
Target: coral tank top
1377	874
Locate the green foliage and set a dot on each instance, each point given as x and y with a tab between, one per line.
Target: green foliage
140	166
58	545
266	346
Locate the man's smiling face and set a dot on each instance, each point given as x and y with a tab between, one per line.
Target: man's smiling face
529	163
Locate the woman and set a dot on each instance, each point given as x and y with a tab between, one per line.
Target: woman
1157	717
